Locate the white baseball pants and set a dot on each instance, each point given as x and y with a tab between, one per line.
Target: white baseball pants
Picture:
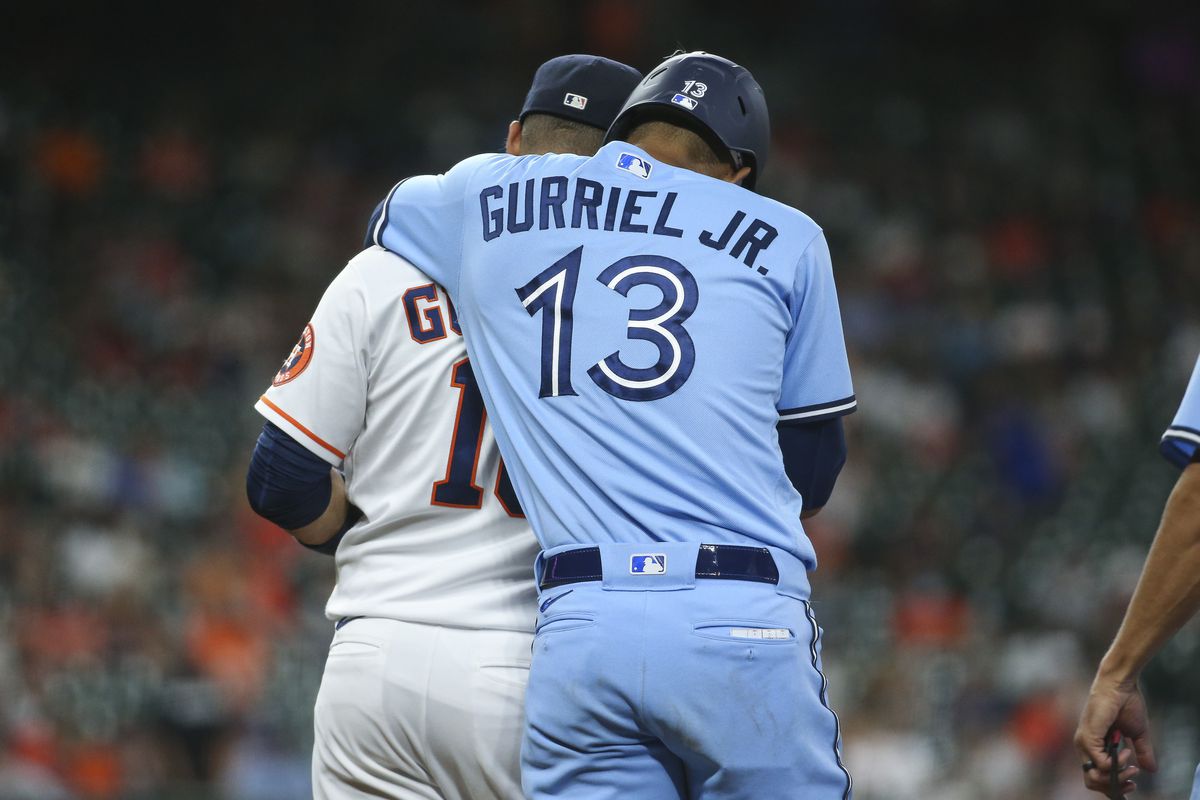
420	711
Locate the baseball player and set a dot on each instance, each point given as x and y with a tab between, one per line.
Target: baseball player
423	687
1167	596
662	354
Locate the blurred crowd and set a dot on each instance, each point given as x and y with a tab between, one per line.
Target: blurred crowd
1014	215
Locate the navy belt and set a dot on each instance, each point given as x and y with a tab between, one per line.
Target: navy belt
722	561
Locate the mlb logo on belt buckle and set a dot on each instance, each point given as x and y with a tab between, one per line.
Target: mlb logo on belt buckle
575	101
648	564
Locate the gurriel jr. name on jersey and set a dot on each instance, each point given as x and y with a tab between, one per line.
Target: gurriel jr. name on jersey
558	202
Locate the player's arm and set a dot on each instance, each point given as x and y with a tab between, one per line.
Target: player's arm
1167	596
298	491
315	409
422	221
328	529
813	456
1168	592
816	391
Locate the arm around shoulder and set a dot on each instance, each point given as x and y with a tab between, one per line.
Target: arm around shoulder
423	219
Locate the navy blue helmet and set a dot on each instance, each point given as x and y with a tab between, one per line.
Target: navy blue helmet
709	94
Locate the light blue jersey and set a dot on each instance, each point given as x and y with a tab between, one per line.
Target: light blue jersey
1180	441
638	332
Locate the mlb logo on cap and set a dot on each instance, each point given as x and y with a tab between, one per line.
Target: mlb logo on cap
648	564
685	101
581	88
631	163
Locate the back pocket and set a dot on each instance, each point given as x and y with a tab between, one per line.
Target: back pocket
353	647
745	631
515	674
561	623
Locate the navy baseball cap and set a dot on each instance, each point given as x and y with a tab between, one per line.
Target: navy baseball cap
587	89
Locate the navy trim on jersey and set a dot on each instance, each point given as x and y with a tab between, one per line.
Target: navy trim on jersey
1179	445
369	239
818	411
837	723
381	226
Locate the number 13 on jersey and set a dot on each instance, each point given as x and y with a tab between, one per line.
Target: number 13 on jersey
552	293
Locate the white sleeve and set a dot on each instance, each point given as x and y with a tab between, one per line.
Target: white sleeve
319	395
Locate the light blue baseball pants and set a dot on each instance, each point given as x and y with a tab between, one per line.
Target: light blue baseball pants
664	686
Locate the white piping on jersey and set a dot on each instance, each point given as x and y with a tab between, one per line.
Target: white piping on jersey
384	214
1177	433
819	411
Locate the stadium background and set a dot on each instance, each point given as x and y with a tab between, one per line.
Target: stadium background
1011	198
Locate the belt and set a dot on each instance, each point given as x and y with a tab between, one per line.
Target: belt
722	561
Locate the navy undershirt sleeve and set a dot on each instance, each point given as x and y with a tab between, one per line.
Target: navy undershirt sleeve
285	482
813	455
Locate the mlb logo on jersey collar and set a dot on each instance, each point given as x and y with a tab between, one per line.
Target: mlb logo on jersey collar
648	564
635	164
575	101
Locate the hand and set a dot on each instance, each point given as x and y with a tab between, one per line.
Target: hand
1114	704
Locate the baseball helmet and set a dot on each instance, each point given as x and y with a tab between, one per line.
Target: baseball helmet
710	95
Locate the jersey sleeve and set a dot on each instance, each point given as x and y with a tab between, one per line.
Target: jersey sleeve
422	221
1180	442
816	372
319	395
